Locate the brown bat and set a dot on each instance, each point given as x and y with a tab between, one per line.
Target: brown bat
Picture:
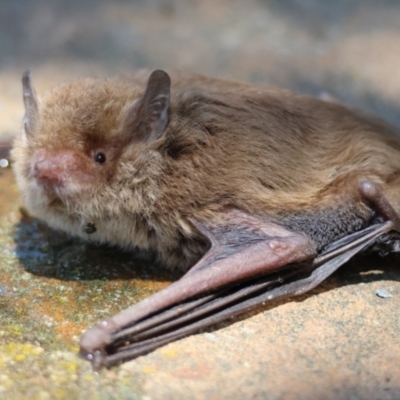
259	193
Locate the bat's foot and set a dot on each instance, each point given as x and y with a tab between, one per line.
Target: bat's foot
344	248
376	199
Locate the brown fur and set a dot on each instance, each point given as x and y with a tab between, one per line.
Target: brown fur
263	150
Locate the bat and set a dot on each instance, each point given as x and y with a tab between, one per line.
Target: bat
256	193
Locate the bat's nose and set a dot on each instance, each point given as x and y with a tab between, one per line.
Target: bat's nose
51	170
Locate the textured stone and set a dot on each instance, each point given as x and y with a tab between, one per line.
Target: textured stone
338	342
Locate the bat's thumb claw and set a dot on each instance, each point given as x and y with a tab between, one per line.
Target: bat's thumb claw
94	341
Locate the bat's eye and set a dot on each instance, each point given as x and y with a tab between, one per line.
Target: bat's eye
100	157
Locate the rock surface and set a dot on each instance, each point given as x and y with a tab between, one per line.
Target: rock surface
338	342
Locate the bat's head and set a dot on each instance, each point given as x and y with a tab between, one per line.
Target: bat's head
86	147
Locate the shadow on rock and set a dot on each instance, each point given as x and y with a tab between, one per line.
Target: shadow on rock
45	252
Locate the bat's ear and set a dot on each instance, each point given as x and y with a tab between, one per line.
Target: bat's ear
147	118
31	104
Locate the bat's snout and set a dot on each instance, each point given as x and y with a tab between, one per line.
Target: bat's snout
57	171
50	171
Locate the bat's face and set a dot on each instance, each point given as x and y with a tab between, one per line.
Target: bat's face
69	151
76	162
